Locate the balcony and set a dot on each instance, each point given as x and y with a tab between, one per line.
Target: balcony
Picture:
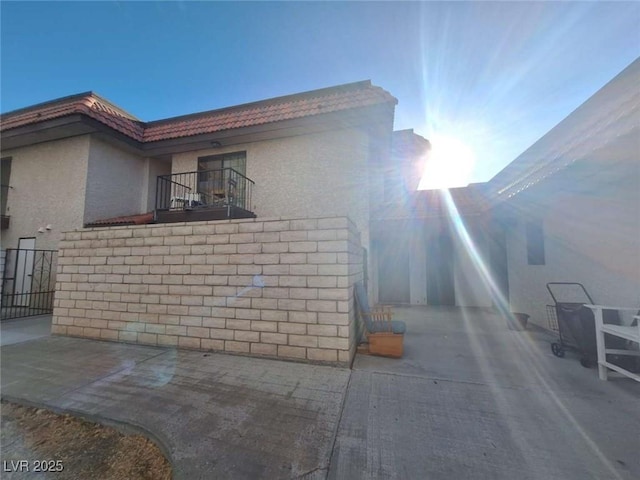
203	195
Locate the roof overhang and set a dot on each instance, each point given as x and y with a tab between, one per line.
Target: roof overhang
55	129
79	124
365	117
610	166
343	106
600	132
61	128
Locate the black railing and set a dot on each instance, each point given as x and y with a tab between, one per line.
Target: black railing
28	282
207	188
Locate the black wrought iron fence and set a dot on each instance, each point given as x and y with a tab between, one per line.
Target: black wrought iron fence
28	283
206	188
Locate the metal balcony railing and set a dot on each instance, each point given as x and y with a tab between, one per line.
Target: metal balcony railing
204	189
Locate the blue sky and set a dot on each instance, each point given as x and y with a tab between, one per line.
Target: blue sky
495	76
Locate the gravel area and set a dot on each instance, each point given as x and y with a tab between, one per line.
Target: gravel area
37	443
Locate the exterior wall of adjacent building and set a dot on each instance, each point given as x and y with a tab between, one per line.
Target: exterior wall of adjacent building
591	238
473	265
48	182
273	287
400	262
418	264
405	246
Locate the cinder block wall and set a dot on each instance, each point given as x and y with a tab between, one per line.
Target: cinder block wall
272	287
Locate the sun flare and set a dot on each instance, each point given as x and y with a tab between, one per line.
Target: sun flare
449	164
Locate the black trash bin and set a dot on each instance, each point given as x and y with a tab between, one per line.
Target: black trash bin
576	325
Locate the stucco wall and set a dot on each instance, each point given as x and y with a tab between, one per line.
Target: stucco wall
414	236
590	238
116	182
304	176
154	169
48	188
418	263
278	287
472	265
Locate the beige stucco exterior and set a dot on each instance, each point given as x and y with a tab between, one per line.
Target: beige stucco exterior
590	237
473	265
153	169
324	173
71	182
120	182
48	182
115	181
407	242
67	183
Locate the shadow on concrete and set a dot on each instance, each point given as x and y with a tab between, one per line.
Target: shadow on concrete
474	399
216	416
20	330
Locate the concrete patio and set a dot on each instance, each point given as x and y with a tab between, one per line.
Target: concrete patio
470	399
23	329
473	399
215	416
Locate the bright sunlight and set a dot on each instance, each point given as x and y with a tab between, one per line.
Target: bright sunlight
449	164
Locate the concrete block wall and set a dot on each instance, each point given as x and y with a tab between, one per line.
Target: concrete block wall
273	287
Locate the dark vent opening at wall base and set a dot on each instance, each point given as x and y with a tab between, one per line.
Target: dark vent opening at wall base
202	214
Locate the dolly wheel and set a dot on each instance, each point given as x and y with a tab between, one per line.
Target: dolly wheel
586	362
557	350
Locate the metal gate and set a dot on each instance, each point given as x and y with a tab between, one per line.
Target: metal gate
28	282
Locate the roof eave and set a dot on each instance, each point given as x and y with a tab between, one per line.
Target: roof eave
352	118
276	100
66	126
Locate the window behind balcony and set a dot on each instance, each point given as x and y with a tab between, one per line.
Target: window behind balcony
235	160
216	183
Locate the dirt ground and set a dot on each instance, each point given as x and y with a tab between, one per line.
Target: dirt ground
82	449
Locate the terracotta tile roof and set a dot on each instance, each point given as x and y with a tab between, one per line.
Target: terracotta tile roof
88	104
333	99
141	219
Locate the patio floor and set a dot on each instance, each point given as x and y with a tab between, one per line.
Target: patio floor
473	399
470	399
214	415
19	330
